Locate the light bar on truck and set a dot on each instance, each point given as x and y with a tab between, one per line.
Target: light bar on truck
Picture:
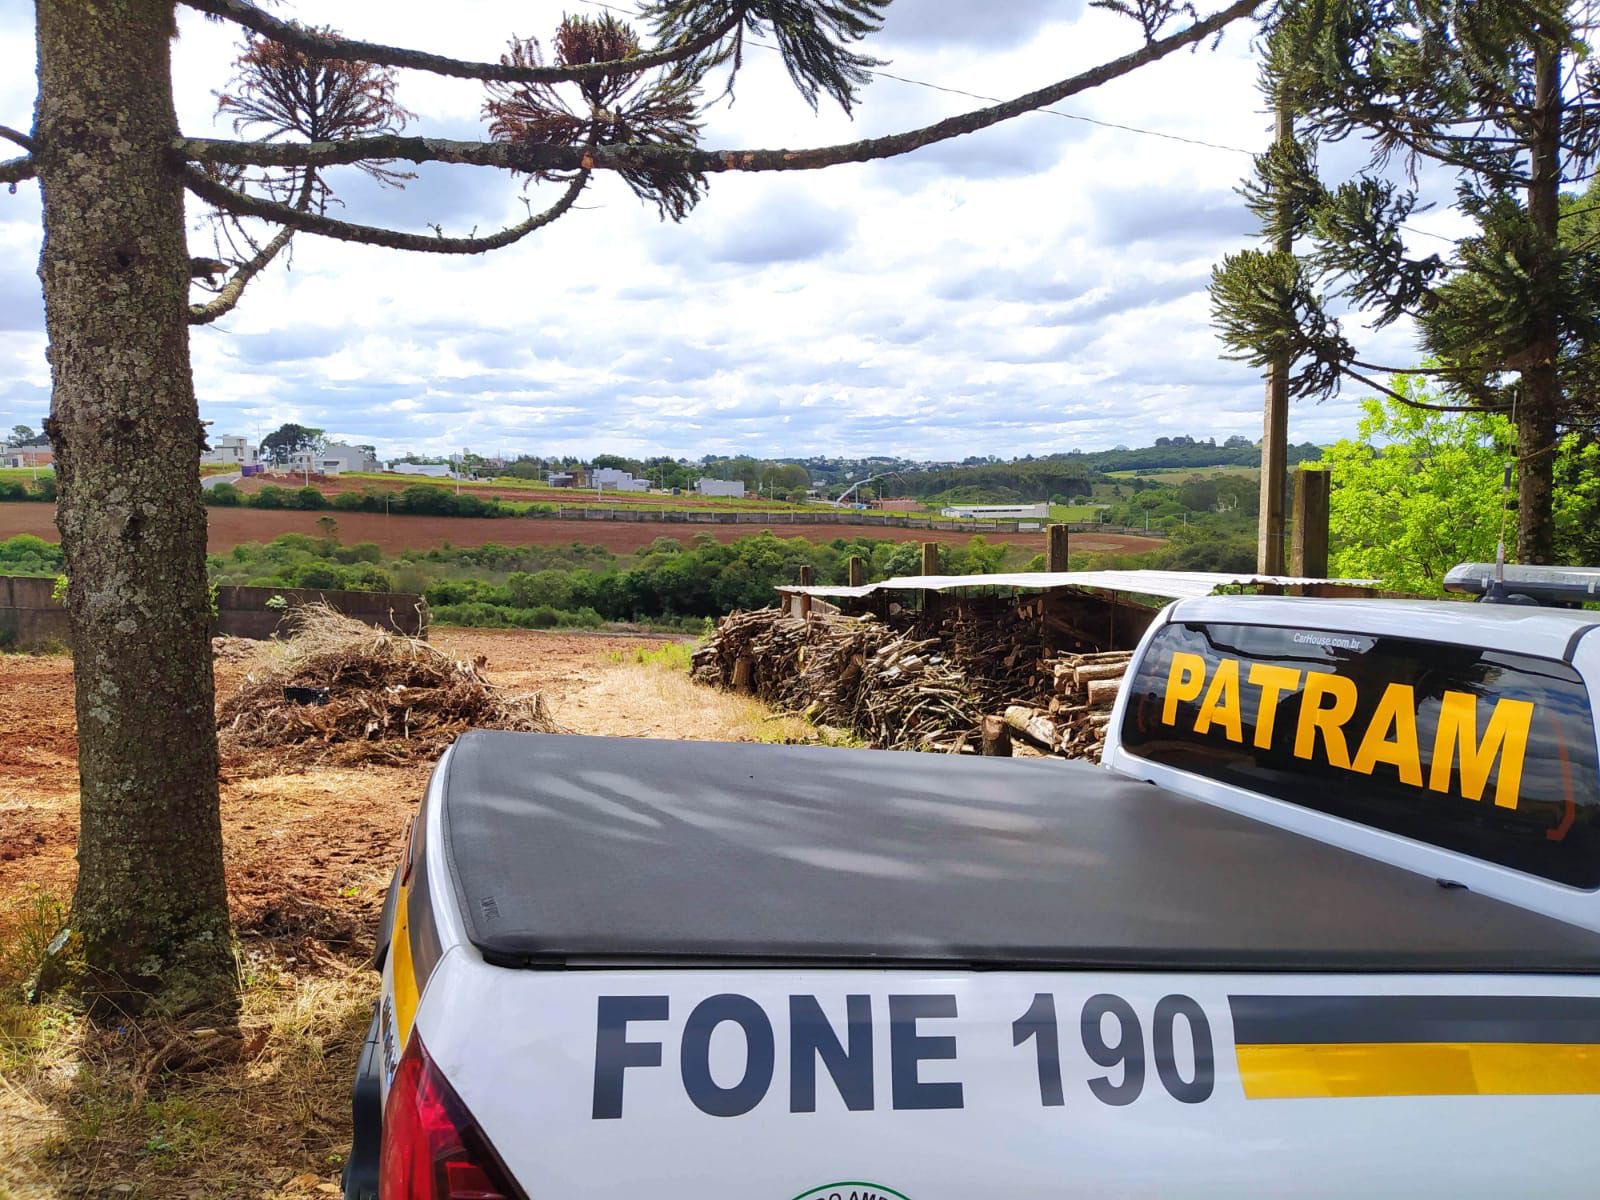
1543	585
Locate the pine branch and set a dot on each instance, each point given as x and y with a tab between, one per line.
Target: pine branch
1410	403
325	46
228	298
15	170
241	204
535	159
17	136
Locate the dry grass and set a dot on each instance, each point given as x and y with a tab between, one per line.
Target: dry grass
130	1110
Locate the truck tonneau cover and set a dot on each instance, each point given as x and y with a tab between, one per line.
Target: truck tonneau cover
615	851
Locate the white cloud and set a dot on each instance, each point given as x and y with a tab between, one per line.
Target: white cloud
1035	288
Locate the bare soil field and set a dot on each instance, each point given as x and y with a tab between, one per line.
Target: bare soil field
115	1110
230	526
546	495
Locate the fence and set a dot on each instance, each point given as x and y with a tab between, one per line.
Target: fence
29	615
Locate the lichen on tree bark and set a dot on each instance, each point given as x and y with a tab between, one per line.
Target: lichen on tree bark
150	911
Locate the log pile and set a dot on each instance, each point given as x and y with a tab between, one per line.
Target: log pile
1082	688
897	691
926	687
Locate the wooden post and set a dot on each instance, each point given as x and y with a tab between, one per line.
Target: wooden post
743	671
930	558
1309	551
996	738
1275	421
858	571
805	581
1056	554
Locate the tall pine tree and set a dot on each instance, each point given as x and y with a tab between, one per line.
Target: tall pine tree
1501	94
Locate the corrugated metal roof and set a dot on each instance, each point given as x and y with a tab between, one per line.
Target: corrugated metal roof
1176	585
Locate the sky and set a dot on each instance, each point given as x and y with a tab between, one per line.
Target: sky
1031	289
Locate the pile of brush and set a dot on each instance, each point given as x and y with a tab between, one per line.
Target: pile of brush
896	690
337	691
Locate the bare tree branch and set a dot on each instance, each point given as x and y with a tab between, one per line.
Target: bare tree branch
15	170
228	298
1410	403
324	46
20	138
240	204
536	159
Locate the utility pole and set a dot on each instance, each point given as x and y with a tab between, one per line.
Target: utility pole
1275	422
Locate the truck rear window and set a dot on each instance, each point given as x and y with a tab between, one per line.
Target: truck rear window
1487	753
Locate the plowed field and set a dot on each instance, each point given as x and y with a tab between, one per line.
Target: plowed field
231	526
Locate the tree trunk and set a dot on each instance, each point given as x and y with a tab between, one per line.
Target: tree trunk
1541	386
150	910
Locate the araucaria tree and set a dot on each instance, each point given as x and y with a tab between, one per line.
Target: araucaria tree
122	287
1500	93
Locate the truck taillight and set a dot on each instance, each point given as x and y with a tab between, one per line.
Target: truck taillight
432	1150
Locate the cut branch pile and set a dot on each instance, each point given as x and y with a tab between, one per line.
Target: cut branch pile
896	690
922	689
338	691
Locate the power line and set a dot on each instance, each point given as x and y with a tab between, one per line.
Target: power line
955	91
1054	112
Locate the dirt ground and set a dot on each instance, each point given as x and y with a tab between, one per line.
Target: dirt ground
549	495
276	826
308	858
230	526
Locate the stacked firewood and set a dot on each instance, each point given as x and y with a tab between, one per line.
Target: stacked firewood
895	690
999	656
1072	721
925	687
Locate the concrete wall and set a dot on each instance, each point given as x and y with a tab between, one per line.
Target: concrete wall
29	616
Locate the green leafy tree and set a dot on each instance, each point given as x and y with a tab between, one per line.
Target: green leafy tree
283	443
1418	491
114	168
21	435
1500	94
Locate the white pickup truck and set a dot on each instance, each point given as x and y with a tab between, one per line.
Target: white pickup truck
1347	945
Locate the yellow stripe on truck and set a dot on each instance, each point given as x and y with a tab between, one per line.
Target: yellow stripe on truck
1350	1069
404	972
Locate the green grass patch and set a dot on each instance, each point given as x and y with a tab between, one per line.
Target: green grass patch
1075	512
1174	474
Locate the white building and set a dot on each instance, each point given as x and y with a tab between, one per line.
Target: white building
617	480
432	470
720	487
230	450
985	512
344	457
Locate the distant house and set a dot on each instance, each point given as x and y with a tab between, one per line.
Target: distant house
720	487
24	456
230	450
344	457
432	470
617	480
572	477
309	462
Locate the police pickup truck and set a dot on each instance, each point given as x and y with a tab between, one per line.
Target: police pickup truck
1347	945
